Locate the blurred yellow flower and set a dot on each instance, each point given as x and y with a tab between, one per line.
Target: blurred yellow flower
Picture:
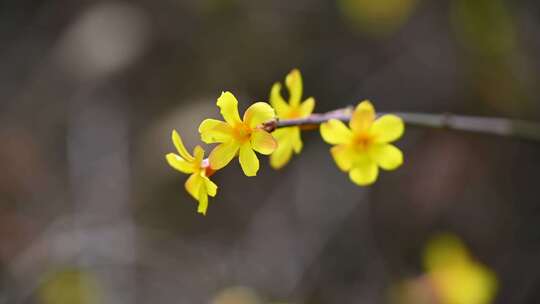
198	185
457	278
238	135
70	286
289	139
364	147
237	295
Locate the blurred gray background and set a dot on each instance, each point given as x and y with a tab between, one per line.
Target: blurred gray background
90	90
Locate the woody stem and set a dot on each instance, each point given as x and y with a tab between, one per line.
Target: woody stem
487	125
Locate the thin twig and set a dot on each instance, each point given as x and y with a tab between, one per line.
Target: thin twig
487	125
313	120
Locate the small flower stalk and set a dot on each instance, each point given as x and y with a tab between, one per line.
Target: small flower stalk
275	130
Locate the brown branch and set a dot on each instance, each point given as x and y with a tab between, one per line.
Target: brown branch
314	120
487	125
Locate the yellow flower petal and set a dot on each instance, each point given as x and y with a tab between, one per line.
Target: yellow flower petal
292	136
469	283
177	140
362	117
294	84
296	140
344	156
214	131
223	154
203	200
277	101
364	173
335	132
193	185
258	113
211	187
387	128
444	251
306	108
387	156
284	150
456	276
248	160
282	135
179	163
198	153
263	142
229	108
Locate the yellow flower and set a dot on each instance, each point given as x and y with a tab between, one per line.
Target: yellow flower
235	135
289	139
70	285
364	147
455	275
198	184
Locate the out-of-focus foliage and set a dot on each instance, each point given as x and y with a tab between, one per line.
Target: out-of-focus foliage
484	26
70	286
487	31
377	16
217	6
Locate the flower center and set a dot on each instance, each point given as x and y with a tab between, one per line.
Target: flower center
242	132
362	141
294	113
